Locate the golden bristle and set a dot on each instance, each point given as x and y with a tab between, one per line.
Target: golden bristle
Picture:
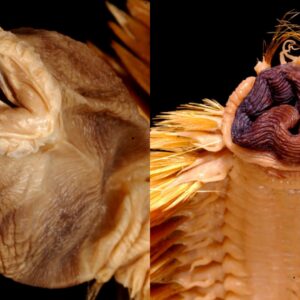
130	57
187	116
188	169
189	128
175	144
131	32
137	68
140	10
133	29
285	30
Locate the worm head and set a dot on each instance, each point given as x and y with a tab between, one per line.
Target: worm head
73	156
261	122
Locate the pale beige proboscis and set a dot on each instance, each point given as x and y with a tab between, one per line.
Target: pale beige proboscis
224	219
74	167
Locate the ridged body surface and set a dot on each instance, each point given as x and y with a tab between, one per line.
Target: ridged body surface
237	239
262	225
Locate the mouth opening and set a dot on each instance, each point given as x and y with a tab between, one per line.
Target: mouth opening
268	118
5	100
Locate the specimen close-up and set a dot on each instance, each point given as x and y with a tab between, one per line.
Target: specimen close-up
74	167
225	187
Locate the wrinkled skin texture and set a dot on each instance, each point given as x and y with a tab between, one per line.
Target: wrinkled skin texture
74	157
268	119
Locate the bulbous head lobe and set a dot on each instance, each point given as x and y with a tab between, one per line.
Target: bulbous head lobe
261	119
268	118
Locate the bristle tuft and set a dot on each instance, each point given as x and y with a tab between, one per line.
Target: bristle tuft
285	30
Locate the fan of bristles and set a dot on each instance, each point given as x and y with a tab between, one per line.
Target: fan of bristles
132	61
178	143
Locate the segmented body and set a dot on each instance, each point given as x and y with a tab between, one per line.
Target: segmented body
262	228
235	232
240	242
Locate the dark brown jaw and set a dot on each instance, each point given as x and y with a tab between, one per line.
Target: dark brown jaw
268	118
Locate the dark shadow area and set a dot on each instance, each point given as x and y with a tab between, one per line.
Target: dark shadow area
205	49
10	290
81	20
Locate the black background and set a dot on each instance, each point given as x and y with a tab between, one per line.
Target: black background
82	20
203	49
